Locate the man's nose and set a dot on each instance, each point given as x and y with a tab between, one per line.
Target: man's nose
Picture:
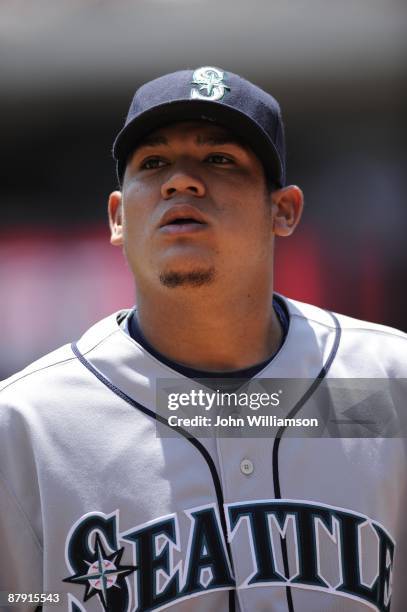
182	180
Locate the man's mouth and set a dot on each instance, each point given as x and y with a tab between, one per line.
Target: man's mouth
182	218
183	226
183	221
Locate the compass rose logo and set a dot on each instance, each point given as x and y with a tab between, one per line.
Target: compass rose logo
104	572
210	84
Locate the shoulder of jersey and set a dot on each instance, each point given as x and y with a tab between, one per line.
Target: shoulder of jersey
369	349
58	360
347	324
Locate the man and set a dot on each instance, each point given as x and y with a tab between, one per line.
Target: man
103	509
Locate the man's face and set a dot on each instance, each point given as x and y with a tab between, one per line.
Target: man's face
194	208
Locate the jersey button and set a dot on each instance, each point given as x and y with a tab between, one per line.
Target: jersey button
246	467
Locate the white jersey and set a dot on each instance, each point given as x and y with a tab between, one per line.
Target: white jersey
98	508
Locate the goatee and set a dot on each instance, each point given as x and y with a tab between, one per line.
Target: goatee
195	278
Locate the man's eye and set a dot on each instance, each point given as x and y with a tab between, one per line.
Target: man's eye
151	163
219	159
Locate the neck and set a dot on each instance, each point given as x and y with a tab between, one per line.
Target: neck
206	329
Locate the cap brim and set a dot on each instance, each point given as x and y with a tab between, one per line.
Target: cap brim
240	124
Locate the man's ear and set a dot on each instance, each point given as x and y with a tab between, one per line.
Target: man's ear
287	204
115	218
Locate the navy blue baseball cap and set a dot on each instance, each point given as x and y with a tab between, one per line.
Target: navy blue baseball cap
210	94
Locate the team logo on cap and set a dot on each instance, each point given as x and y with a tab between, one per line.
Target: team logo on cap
210	84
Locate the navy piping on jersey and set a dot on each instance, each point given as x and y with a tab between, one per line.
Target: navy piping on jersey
182	432
132	327
276	477
206	455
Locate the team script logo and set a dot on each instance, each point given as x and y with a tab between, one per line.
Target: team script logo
210	84
327	549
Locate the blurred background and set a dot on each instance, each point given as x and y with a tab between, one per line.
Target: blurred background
68	72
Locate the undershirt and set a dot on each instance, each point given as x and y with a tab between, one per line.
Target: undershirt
131	326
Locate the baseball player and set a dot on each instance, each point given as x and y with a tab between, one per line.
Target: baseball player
98	511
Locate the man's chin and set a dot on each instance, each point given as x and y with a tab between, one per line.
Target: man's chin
198	277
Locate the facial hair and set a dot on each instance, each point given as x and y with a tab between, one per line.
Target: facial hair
194	278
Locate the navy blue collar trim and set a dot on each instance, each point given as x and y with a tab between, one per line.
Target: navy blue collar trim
135	332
